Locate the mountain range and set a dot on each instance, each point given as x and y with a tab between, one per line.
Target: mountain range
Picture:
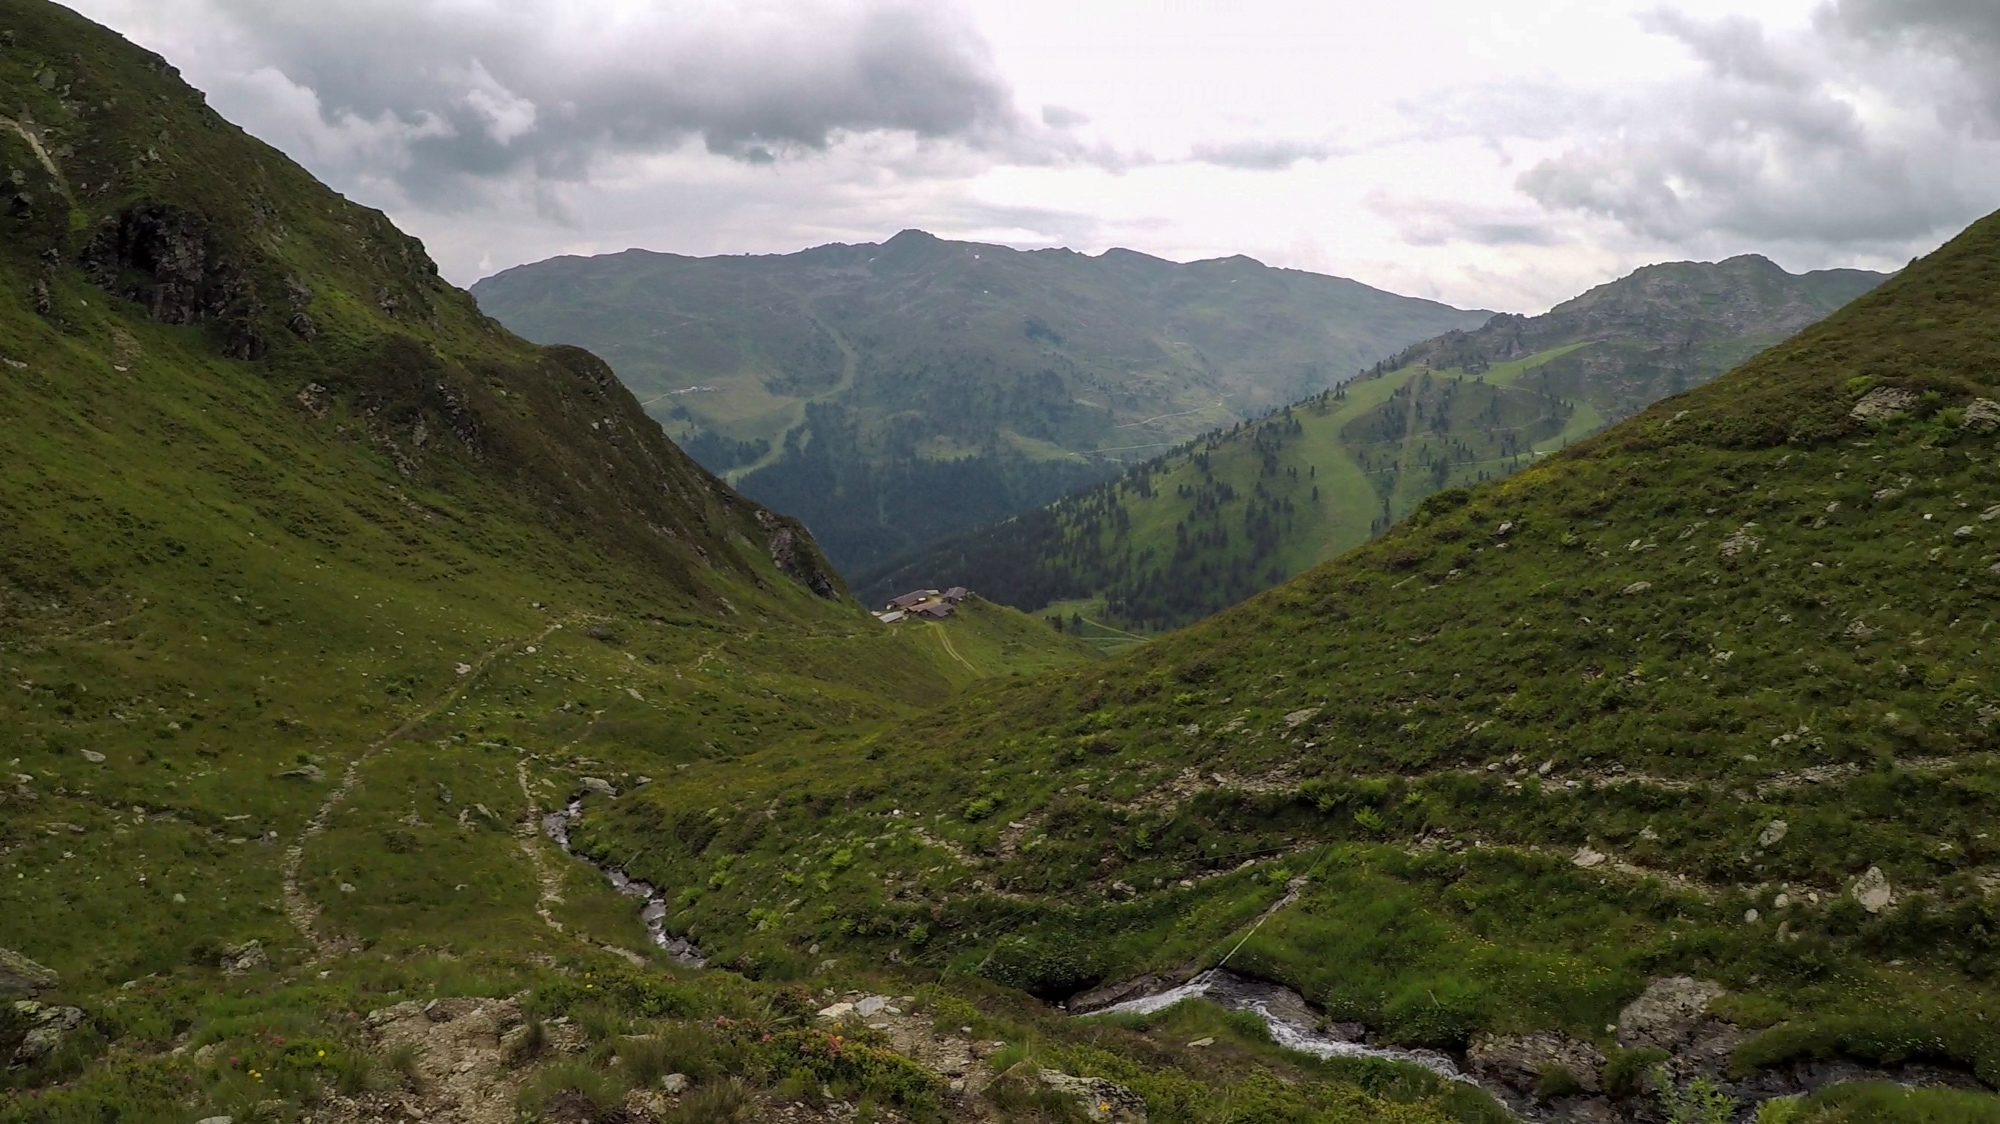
889	395
1240	510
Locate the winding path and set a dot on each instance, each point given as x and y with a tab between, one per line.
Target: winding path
300	909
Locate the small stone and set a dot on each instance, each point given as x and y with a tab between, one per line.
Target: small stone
1750	917
312	773
347	887
1587	858
597	785
1648	834
674	1083
1741	542
1873	891
1200	1042
216	1120
837	1011
1773	833
1637	587
1963	532
246	957
870	1006
463	669
92	756
180	899
1781	901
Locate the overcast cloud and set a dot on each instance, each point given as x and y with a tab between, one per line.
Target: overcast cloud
1505	153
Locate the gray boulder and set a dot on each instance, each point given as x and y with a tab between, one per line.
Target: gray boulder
1872	890
47	1027
22	976
1667	1013
1882	403
597	785
1982	416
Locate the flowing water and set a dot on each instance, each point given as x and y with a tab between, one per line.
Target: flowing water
1291	1021
652	911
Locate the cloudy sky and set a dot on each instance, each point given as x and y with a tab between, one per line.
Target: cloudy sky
1494	153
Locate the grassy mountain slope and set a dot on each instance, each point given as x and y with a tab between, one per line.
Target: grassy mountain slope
1707	695
890	394
1233	513
317	589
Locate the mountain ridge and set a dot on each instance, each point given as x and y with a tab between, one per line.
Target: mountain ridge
846	383
1194	530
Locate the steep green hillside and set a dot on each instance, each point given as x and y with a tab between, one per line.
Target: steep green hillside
1213	522
1705	697
892	394
318	590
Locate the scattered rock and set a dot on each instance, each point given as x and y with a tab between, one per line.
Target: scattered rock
597	785
1586	857
1873	891
1099	1099
1773	833
246	957
1741	542
1666	1014
871	1005
1882	403
92	756
674	1083
1750	917
216	1120
1637	588
312	773
1964	532
1298	717
837	1011
47	1027
1983	415
1201	1042
1518	1061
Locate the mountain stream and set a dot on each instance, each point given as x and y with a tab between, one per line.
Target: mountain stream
653	904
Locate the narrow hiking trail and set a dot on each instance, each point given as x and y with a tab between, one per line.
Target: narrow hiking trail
300	909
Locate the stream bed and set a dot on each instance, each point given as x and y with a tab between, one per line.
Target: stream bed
653	904
1292	1022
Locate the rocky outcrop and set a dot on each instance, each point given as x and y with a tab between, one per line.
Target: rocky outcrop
1522	1061
47	1027
1099	1099
1983	416
1883	403
22	976
797	557
167	260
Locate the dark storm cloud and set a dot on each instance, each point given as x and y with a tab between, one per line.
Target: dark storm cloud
1966	31
1767	143
484	89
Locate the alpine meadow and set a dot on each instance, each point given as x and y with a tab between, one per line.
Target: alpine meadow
1573	718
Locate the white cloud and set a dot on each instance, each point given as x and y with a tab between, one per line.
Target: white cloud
1497	153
